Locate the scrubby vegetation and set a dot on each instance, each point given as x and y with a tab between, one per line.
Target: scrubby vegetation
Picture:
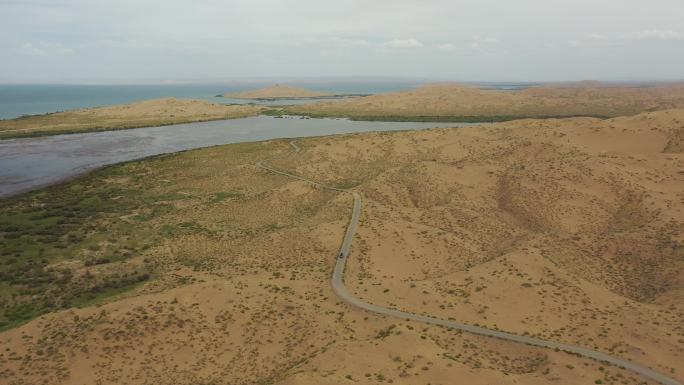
72	244
453	103
568	230
413	117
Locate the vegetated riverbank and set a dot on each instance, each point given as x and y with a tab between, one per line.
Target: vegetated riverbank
150	113
31	163
416	118
45	232
79	242
285	100
563	229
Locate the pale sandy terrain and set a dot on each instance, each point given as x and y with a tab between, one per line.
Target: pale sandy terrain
443	101
154	112
570	229
277	91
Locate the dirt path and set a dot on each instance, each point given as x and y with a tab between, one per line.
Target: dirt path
341	291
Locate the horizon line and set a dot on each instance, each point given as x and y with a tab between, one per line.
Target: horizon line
324	79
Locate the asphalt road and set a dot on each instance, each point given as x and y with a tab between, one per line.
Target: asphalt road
341	291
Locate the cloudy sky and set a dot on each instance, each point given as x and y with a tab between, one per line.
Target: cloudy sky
123	41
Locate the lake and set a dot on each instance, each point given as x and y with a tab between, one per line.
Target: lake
29	99
29	163
32	99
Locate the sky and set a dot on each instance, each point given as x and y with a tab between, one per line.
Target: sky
167	41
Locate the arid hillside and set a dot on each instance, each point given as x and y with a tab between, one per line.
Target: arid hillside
277	91
199	268
460	103
157	112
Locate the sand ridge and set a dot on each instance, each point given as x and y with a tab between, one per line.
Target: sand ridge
565	229
456	102
156	112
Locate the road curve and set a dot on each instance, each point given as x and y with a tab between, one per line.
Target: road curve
341	291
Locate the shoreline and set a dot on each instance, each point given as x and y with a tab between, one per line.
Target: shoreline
277	113
38	134
179	210
313	98
427	118
86	172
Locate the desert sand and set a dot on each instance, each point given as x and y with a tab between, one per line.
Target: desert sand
156	112
451	102
277	91
565	229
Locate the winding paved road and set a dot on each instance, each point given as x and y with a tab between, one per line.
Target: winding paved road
341	291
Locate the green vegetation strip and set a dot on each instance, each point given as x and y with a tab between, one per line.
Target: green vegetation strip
72	244
420	118
47	131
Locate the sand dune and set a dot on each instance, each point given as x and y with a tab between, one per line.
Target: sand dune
435	102
154	112
566	229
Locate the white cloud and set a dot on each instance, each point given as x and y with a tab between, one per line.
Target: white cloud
45	49
403	43
233	38
346	42
487	45
595	40
597	36
488	40
602	40
446	47
360	42
660	34
480	42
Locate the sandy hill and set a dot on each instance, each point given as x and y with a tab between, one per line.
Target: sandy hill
214	271
155	112
469	103
277	91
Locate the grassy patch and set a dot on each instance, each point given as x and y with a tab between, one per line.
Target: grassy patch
274	227
427	118
347	183
49	238
174	230
273	112
223	195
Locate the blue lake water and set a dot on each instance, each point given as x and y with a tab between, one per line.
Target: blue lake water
29	163
18	100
